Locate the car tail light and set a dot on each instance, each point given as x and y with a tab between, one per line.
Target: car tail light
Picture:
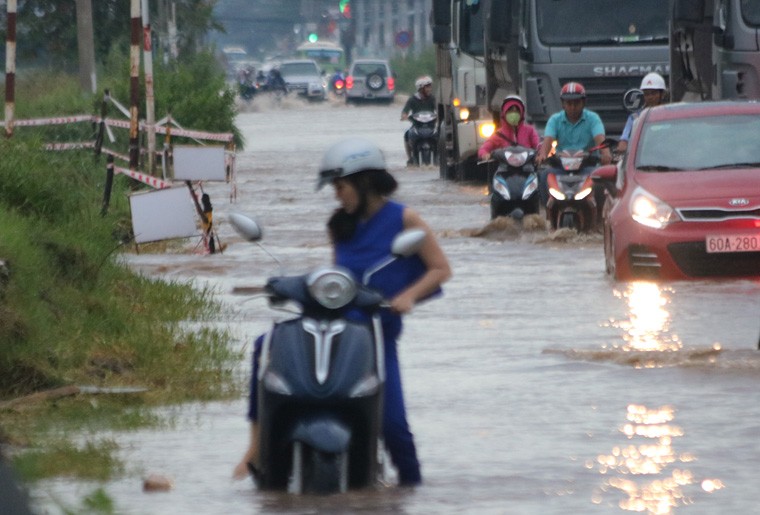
391	83
349	82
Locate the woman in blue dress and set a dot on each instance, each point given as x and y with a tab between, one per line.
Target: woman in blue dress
361	231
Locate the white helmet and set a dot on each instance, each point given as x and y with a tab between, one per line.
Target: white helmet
347	157
425	80
653	81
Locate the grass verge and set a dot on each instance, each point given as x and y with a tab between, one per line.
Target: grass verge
72	314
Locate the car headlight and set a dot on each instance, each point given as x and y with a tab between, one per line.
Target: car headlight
333	288
464	114
650	211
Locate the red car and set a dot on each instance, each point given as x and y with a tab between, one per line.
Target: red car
684	201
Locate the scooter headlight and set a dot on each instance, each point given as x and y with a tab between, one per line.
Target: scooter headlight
530	188
583	193
500	187
333	288
367	386
274	383
486	130
650	211
557	194
571	163
516	159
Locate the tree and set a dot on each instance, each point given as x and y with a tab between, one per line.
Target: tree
47	35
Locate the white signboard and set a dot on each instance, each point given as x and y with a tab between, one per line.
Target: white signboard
199	163
163	214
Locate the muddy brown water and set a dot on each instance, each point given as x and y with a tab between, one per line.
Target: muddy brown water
534	386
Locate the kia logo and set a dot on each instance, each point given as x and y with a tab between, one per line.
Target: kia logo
738	202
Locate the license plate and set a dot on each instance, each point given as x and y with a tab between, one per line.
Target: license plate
717	243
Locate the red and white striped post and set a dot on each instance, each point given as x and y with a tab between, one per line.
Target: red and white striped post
134	84
150	110
10	68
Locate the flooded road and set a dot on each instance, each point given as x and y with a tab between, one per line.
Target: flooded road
534	386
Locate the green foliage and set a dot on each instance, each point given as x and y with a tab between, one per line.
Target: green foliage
410	67
192	90
95	460
70	313
47	29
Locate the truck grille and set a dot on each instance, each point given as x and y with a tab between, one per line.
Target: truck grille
604	95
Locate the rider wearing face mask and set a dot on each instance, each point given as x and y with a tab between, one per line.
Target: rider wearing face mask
513	131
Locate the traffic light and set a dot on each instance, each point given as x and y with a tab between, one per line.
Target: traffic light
345	8
313	37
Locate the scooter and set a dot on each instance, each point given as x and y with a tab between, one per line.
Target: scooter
321	378
572	202
338	84
423	137
514	187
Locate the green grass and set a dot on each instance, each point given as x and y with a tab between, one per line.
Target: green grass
70	313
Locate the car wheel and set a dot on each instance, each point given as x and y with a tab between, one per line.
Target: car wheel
375	82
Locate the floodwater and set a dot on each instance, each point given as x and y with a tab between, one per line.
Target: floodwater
534	386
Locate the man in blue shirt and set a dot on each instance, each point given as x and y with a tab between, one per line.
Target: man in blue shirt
573	128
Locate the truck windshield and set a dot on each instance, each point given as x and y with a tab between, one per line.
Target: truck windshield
602	22
471	27
751	12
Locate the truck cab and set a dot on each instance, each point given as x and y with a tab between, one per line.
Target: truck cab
534	47
715	50
460	86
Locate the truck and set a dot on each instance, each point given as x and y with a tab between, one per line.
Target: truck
532	48
715	50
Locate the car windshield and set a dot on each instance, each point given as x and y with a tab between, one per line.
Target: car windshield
290	69
751	12
471	27
602	22
700	143
364	69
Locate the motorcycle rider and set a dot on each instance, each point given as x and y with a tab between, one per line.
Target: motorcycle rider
275	82
513	131
361	231
575	127
423	100
653	86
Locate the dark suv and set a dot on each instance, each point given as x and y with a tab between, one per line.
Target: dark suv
370	80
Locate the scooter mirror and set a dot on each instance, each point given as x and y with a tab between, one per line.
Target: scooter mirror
245	227
408	242
633	100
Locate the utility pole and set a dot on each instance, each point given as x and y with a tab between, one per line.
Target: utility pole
86	44
10	68
134	84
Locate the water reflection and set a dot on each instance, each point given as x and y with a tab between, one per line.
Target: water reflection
648	328
647	340
648	469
